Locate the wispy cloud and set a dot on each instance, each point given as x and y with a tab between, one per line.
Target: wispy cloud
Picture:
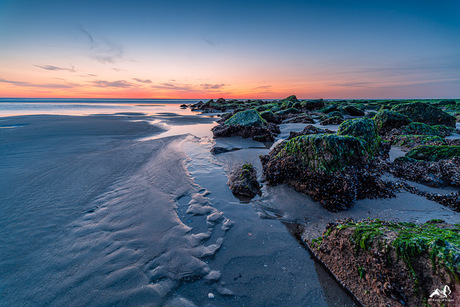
102	50
52	67
39	85
353	84
211	41
142	80
208	86
176	87
117	84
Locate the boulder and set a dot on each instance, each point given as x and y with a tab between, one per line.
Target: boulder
248	118
311	105
385	263
387	120
353	111
303	119
424	129
332	169
332	121
412	140
243	181
270	117
309	129
433	153
363	128
425	113
247	124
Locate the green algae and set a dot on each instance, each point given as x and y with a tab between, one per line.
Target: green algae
288	111
246	118
424	129
440	243
363	128
425	113
414	140
386	120
326	153
434	153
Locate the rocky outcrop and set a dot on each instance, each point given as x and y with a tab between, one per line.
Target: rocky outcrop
435	174
425	113
433	153
247	124
363	128
243	181
393	264
309	129
387	120
332	169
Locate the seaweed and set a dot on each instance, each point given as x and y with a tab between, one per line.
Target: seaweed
434	153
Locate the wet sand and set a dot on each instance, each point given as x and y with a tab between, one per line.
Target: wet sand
133	209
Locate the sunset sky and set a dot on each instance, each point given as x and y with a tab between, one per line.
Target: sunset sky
234	49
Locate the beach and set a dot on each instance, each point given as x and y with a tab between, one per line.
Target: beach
103	210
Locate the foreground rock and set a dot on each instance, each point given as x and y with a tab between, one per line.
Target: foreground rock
433	153
247	123
393	264
333	169
243	181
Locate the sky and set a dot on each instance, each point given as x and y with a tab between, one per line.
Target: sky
268	49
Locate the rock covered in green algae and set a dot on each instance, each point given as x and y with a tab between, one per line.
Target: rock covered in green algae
332	169
310	105
291	98
387	120
412	140
326	153
247	123
270	117
425	113
398	263
248	118
243	181
424	129
433	153
288	112
363	128
353	111
335	120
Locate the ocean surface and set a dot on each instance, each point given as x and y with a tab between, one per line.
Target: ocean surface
120	203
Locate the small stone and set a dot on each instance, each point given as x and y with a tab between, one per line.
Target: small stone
211	295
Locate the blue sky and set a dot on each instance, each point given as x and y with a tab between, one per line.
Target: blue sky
185	49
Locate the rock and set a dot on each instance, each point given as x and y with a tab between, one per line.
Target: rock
183	106
270	117
370	114
247	123
425	113
220	101
289	111
387	120
303	118
332	169
332	121
353	111
433	153
243	181
311	105
218	150
363	128
335	114
412	140
248	118
328	109
309	129
392	264
291	98
436	174
424	129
